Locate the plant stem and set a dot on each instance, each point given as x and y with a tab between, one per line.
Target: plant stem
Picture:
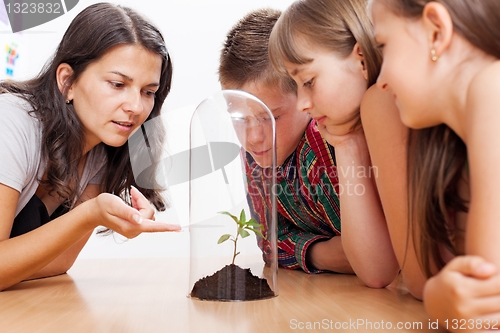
235	240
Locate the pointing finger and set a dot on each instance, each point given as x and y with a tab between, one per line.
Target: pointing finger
152	226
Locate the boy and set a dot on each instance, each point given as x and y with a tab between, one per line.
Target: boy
307	202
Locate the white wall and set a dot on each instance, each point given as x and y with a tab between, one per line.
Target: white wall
194	31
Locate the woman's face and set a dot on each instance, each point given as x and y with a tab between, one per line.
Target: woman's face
115	94
329	88
407	71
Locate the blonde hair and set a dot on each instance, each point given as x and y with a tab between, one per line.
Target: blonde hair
336	25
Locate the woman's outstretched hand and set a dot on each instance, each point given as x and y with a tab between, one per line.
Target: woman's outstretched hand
140	203
113	213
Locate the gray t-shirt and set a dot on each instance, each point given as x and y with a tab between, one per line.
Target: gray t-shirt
21	164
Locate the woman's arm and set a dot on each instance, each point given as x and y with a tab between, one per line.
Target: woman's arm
387	142
23	256
66	259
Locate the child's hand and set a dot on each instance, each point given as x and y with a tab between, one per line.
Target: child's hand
113	213
341	135
467	289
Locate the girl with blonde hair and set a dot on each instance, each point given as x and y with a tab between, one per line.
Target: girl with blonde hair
328	48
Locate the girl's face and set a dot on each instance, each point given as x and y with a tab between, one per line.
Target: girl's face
407	71
329	88
115	94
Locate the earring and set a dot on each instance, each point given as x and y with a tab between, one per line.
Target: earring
434	56
68	101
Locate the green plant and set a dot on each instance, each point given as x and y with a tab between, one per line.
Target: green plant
242	226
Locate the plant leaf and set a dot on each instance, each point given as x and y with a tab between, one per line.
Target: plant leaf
236	254
260	234
223	238
257	232
231	215
254	223
243	218
243	233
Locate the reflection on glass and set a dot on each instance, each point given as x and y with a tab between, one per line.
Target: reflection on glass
230	127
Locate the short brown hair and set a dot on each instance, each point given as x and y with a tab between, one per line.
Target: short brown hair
244	57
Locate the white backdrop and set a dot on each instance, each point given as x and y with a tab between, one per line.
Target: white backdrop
194	31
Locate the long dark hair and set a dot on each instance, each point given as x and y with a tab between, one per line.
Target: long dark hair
437	156
436	160
90	35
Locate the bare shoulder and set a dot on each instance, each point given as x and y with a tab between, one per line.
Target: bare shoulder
378	110
483	115
378	105
489	73
484	89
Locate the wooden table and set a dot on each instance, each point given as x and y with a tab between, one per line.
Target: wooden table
150	295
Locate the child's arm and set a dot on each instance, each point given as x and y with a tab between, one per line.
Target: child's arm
365	236
387	142
481	127
328	255
468	288
309	251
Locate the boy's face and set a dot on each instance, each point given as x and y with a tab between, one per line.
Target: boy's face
290	125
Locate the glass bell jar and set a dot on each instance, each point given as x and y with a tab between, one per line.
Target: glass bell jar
232	205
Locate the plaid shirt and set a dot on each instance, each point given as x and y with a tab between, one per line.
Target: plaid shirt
307	198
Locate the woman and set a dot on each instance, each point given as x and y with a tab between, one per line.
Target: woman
63	141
